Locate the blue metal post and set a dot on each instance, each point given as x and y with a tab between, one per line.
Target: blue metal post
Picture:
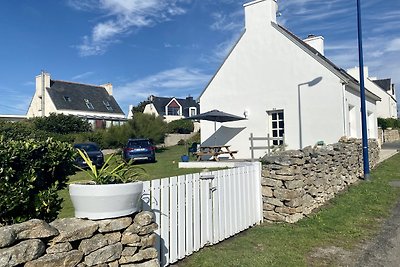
362	93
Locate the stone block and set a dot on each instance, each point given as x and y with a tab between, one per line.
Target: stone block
288	194
113	225
273	216
271	182
266	191
272	201
66	259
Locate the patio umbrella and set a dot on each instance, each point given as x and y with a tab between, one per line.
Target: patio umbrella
216	116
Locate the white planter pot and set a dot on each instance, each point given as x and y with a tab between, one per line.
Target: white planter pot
106	201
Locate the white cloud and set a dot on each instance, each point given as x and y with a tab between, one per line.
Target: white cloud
82	75
177	82
223	22
393	45
121	18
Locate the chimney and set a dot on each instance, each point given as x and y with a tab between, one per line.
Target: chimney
316	42
355	72
42	82
260	13
189	98
108	87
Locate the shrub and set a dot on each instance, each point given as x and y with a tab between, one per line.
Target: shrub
61	124
148	126
389	123
31	173
181	126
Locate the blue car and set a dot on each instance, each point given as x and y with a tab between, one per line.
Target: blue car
94	153
139	150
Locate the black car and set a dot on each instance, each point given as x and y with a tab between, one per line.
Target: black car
139	149
94	153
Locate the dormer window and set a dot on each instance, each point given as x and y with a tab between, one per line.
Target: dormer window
173	109
108	106
88	104
67	99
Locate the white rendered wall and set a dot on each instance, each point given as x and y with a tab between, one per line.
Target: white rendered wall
387	107
353	99
266	71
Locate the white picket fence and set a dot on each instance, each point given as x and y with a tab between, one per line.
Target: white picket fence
201	209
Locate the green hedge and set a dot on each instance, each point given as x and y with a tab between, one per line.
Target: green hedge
389	123
181	126
31	173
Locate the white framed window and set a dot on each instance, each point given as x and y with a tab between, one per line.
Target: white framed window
352	121
277	126
192	111
108	106
88	104
173	108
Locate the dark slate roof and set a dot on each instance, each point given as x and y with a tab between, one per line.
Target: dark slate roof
160	103
385	84
71	96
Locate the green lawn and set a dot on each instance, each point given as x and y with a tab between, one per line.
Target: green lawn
350	218
166	166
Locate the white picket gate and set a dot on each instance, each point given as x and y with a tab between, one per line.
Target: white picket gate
201	209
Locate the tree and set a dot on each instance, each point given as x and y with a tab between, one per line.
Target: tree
61	124
140	107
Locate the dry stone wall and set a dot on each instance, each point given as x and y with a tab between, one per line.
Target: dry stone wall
294	183
391	135
126	241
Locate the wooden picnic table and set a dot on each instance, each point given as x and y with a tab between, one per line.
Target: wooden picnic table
214	152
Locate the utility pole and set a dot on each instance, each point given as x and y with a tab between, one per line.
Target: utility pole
362	96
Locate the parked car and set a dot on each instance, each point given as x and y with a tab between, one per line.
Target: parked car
94	153
139	149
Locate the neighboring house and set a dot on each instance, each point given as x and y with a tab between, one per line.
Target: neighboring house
285	87
93	103
387	107
12	118
172	108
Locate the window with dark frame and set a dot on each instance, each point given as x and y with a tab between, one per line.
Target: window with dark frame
174	111
277	126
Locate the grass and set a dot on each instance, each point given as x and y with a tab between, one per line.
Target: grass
353	216
166	166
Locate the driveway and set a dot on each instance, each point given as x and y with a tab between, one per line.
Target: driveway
392	145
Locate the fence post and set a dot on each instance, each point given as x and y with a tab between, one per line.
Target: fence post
252	147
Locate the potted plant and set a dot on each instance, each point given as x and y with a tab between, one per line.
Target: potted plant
110	191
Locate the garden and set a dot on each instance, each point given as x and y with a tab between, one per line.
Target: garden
37	161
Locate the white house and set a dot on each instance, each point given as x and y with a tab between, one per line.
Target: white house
285	87
172	108
91	102
387	107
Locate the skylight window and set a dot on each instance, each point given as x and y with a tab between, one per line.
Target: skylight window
67	99
88	104
108	106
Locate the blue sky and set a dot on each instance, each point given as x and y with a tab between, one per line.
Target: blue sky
169	47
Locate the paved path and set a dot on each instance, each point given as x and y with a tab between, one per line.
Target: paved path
388	150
